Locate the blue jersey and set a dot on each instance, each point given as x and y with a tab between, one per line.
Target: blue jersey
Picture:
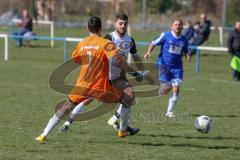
172	49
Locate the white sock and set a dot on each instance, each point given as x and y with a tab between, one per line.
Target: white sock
172	102
51	124
125	117
117	115
76	111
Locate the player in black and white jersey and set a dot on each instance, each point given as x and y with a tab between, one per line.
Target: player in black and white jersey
125	46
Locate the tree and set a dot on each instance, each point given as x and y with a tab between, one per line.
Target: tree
233	12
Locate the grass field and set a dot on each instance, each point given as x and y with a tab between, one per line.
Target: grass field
27	102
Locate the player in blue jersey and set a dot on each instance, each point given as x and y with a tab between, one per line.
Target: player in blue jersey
169	62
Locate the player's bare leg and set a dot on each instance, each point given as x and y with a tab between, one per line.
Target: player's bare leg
164	89
74	114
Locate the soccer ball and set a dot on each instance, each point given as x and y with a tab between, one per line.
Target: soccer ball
203	124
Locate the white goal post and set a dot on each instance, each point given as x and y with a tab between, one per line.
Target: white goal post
220	31
5	36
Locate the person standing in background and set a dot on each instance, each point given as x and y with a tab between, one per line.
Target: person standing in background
233	44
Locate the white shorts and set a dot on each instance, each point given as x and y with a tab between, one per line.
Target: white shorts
176	82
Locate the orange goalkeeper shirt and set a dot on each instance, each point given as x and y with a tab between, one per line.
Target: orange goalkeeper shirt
93	81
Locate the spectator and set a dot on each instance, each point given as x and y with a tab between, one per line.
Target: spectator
233	44
26	26
204	32
188	31
196	30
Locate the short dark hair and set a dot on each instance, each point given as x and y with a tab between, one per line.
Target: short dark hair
177	20
94	24
121	16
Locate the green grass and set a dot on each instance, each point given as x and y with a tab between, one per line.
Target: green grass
27	102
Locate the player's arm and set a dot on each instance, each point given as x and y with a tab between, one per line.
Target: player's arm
118	61
138	61
156	42
136	58
149	51
124	66
186	51
188	56
137	74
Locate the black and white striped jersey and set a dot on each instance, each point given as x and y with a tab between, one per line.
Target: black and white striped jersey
125	45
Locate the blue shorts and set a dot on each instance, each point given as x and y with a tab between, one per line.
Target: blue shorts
170	76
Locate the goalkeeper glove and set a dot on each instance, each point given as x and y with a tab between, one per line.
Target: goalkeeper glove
138	75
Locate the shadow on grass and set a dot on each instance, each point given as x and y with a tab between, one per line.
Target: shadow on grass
226	116
39	46
190	137
127	141
26	45
184	145
151	144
